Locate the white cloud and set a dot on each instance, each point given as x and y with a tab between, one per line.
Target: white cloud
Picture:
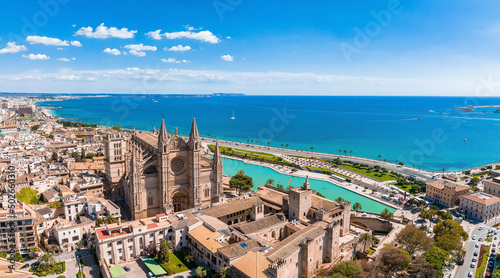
76	43
138	49
63	59
103	32
113	51
173	60
46	41
36	57
191	28
73	25
12	48
227	58
204	36
154	34
178	48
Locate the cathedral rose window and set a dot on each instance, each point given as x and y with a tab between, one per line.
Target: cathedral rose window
177	165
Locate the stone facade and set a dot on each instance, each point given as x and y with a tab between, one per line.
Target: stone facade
163	172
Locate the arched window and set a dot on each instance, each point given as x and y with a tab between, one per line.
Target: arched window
207	192
150	199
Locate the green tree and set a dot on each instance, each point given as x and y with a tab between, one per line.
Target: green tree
436	257
35	127
379	157
339	199
241	182
270	182
386	215
401	163
222	272
163	253
413	240
201	272
348	269
393	259
46	260
420	268
365	239
338	161
357	206
54	156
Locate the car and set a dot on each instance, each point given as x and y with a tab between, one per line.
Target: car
470	274
461	261
127	268
475	253
151	275
474	237
490	264
480	239
474	260
493	250
472	265
477	245
480	228
35	264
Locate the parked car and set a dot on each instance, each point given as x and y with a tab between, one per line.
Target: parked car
35	264
151	275
127	268
475	253
470	274
474	259
472	265
474	237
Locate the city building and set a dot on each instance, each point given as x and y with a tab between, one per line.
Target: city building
25	236
492	187
480	205
445	192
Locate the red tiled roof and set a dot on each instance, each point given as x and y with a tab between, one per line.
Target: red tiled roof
161	214
150	226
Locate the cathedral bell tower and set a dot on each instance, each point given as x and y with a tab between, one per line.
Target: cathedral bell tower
219	194
195	151
163	161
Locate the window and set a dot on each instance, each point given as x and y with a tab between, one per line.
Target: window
150	200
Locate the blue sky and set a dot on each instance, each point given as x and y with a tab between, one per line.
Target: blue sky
253	47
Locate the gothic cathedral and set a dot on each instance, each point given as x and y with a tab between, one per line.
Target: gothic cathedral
163	172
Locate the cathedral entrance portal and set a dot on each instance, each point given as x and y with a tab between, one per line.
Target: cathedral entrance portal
180	201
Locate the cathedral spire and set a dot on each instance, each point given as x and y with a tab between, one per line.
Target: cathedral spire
163	132
194	135
217	157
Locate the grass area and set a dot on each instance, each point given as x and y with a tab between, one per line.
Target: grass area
254	155
406	188
25	119
41	270
328	171
369	173
370	251
480	174
28	195
177	263
484	261
489	239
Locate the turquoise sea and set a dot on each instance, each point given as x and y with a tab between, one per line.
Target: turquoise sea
261	174
424	131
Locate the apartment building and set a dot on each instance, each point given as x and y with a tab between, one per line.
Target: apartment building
445	192
480	205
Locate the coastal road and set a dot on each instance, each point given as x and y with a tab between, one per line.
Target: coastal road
464	269
420	174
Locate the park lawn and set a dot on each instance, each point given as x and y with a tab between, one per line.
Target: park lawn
252	155
28	195
375	175
406	188
176	263
328	171
484	262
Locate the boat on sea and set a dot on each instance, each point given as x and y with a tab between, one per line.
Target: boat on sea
154	100
497	111
233	118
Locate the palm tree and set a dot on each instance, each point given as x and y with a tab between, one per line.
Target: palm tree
222	272
386	214
269	143
340	151
379	157
357	207
281	145
365	238
286	145
312	148
350	153
345	152
443	170
339	199
188	258
270	182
